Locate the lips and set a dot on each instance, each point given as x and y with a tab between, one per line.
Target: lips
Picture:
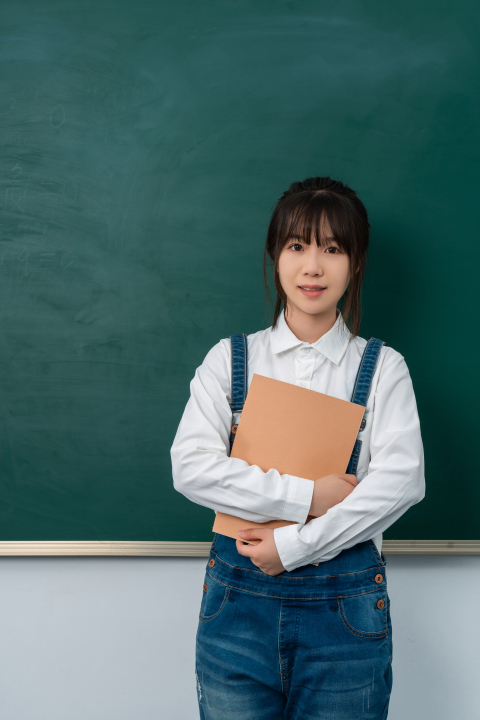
311	291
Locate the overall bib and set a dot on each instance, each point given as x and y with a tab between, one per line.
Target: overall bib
313	643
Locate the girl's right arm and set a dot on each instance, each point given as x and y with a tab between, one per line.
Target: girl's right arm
202	468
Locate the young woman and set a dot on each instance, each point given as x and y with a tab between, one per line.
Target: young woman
278	635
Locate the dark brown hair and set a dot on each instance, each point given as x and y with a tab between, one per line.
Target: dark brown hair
301	211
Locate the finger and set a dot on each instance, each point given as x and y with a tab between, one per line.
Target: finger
351	479
244	549
252	534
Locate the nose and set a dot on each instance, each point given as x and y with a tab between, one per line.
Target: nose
312	260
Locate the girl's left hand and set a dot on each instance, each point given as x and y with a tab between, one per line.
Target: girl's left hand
265	554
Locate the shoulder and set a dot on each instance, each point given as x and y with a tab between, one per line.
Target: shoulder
220	355
217	364
214	375
390	361
387	354
217	361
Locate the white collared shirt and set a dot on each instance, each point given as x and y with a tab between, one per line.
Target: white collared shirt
390	470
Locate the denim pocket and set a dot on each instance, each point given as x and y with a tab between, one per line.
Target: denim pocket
365	615
215	596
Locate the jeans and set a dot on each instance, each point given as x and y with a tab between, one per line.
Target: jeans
315	642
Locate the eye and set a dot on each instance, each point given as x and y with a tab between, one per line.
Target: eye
295	245
333	247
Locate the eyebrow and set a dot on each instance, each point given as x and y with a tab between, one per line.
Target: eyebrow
298	237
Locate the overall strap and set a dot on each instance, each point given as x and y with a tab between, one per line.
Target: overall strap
361	390
239	377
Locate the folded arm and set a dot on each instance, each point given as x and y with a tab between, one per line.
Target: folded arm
395	480
201	466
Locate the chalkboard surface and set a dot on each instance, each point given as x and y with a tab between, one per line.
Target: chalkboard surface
143	145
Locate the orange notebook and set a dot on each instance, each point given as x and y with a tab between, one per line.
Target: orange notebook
294	430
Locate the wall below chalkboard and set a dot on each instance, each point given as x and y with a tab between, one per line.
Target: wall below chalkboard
126	628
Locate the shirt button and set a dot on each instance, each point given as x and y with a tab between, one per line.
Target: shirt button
380	604
378	578
211	562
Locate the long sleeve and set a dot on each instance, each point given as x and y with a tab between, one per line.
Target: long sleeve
201	466
394	482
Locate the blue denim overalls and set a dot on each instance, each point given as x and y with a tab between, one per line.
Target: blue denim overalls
315	642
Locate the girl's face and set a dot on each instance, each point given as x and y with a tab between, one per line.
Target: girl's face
302	265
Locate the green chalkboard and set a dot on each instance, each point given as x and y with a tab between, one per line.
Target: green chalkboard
143	145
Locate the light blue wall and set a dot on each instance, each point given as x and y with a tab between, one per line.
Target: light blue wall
113	638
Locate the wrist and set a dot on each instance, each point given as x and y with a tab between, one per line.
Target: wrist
315	501
318	506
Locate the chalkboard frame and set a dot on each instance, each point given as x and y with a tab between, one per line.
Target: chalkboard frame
202	549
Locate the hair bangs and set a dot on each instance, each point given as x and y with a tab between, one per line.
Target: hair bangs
317	216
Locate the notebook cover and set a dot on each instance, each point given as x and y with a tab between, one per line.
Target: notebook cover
294	430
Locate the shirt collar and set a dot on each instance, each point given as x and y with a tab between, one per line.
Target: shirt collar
333	344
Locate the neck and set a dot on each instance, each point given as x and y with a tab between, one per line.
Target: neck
310	328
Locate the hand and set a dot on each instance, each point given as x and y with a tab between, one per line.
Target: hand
265	554
331	490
